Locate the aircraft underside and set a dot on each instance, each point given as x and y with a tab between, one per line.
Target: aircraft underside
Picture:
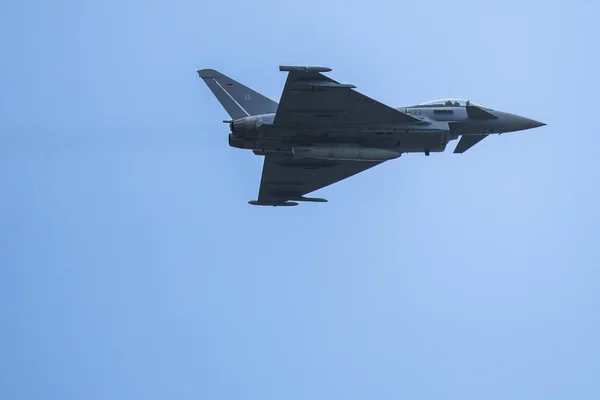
322	131
387	142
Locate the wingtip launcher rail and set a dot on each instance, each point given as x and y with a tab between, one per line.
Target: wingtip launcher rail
292	68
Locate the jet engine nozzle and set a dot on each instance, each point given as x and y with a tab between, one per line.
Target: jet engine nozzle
247	126
241	142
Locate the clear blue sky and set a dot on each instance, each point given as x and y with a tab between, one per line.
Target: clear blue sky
131	266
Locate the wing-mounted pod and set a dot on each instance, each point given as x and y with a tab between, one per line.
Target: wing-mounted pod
291	68
309	82
310	199
273	203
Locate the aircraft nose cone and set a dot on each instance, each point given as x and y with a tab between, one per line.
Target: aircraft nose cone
527	123
535	124
514	122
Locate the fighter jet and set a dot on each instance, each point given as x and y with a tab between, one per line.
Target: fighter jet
323	131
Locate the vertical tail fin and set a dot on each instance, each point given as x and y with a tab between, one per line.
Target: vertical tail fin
238	100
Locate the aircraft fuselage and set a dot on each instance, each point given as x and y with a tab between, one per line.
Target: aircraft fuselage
323	131
437	126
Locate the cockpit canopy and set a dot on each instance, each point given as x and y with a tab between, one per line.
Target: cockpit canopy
449	103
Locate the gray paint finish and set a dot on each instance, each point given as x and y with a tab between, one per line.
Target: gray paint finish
322	131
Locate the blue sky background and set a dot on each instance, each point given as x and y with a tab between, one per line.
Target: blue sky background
131	266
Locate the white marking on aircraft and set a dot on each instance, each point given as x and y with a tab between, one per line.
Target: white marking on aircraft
231	97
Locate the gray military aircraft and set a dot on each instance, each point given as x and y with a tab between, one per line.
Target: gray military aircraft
323	131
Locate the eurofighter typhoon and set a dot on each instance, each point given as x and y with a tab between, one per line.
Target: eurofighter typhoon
323	131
